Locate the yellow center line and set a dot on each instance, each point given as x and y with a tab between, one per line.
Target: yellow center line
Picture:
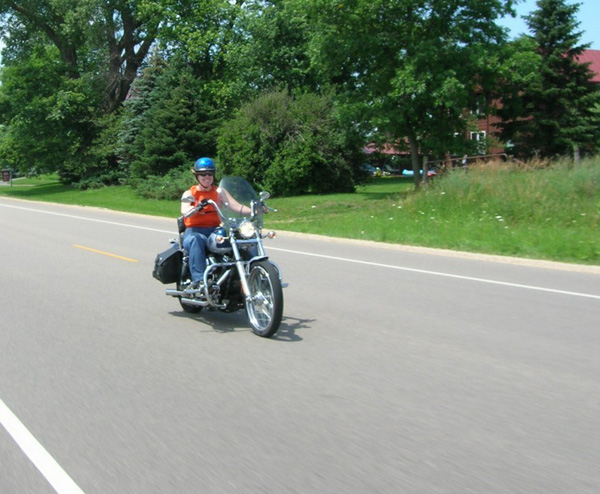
105	253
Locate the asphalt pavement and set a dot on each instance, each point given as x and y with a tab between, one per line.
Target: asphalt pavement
396	370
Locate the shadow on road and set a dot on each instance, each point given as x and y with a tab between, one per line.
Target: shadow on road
288	328
221	322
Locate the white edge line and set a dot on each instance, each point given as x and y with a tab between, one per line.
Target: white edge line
64	215
435	273
48	467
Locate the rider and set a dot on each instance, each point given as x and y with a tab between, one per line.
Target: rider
202	224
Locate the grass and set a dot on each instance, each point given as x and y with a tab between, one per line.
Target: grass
119	198
537	211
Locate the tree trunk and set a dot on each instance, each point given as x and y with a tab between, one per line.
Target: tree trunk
425	170
126	56
414	155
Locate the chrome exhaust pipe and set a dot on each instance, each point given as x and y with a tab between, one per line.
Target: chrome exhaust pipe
195	301
184	296
175	293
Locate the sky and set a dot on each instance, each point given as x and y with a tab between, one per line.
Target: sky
588	15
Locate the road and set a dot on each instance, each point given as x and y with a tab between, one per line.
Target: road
395	371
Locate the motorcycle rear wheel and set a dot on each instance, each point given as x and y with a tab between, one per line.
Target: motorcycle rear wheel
265	305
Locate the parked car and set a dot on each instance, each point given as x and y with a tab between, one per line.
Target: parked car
410	173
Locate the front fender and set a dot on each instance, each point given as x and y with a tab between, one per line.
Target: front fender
274	264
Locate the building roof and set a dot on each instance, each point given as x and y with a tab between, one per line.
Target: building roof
593	57
383	149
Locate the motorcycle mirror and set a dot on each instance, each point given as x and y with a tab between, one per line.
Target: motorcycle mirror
264	195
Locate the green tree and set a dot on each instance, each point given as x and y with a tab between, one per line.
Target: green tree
173	122
291	145
47	116
130	144
409	67
92	50
519	67
269	49
200	32
110	39
561	100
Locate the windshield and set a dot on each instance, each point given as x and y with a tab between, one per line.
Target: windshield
232	190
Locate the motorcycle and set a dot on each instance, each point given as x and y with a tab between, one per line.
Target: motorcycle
239	274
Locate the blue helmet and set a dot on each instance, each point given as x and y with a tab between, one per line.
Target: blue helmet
204	164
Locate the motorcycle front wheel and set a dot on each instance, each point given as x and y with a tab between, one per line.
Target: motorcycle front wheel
265	304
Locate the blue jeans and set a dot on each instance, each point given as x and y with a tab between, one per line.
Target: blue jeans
194	242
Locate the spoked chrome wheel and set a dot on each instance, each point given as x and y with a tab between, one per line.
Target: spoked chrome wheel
265	306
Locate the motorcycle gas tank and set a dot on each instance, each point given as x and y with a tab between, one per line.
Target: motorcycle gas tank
216	247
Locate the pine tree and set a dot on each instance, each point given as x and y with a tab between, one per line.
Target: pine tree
130	141
169	121
561	100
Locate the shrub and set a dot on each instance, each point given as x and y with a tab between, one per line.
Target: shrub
168	187
291	145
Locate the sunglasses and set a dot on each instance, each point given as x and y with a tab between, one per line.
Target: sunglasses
205	174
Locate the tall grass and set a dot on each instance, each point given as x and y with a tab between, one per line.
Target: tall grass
537	210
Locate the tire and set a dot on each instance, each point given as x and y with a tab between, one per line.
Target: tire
190	309
265	307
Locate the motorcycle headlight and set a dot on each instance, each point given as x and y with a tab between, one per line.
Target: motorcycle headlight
247	230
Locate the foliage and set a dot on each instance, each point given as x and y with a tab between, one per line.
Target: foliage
168	121
518	68
129	141
553	113
102	164
176	127
83	95
408	67
69	64
201	34
167	187
105	40
48	116
270	50
290	145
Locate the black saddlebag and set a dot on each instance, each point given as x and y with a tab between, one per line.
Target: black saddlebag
167	265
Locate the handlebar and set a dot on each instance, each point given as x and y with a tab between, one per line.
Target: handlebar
199	207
